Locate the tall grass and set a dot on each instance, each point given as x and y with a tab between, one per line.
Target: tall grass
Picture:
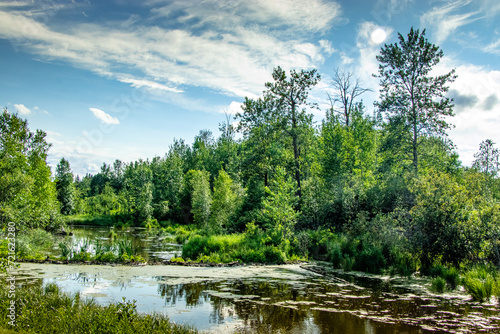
479	282
48	310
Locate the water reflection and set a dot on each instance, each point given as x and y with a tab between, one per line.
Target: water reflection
304	304
318	306
150	245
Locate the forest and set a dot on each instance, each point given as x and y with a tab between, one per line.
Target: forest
377	189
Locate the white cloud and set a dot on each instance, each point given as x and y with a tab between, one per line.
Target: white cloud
103	117
22	109
493	47
240	44
476	92
233	108
150	84
446	20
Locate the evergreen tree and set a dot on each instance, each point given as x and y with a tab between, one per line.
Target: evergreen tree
411	98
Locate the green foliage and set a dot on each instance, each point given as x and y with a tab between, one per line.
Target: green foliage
64	187
27	195
278	211
37	308
226	200
479	282
201	197
413	100
445	221
438	284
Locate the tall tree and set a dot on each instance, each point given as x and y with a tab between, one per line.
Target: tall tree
226	199
409	95
284	104
487	159
65	187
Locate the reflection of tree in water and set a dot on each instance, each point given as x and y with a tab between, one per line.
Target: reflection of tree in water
270	318
191	292
83	278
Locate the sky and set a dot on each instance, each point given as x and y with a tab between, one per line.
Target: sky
121	79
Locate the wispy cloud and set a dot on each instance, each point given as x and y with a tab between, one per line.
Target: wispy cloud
228	47
150	84
103	117
448	18
22	109
493	47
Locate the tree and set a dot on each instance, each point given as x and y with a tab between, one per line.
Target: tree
27	194
64	187
226	199
487	159
283	106
139	188
201	197
411	97
279	206
347	89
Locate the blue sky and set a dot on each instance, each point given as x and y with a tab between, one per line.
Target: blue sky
121	79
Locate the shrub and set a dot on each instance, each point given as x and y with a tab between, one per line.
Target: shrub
335	254
109	256
370	259
404	264
438	284
452	278
479	283
273	255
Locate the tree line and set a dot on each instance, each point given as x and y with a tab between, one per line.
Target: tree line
394	173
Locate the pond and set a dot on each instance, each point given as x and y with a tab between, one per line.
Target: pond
150	245
273	299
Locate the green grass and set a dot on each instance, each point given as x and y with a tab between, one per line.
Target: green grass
479	283
48	310
251	247
438	284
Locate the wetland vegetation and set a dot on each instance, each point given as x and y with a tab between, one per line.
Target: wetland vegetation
382	194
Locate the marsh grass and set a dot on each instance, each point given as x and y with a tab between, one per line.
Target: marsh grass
479	282
48	310
438	284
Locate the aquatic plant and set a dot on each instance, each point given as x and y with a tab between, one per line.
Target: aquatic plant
438	284
479	283
37	307
66	250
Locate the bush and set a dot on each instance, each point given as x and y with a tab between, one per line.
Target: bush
404	264
371	260
479	283
109	256
438	284
273	255
452	278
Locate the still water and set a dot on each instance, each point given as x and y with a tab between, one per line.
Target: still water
150	245
274	299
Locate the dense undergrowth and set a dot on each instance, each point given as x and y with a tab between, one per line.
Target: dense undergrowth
48	310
